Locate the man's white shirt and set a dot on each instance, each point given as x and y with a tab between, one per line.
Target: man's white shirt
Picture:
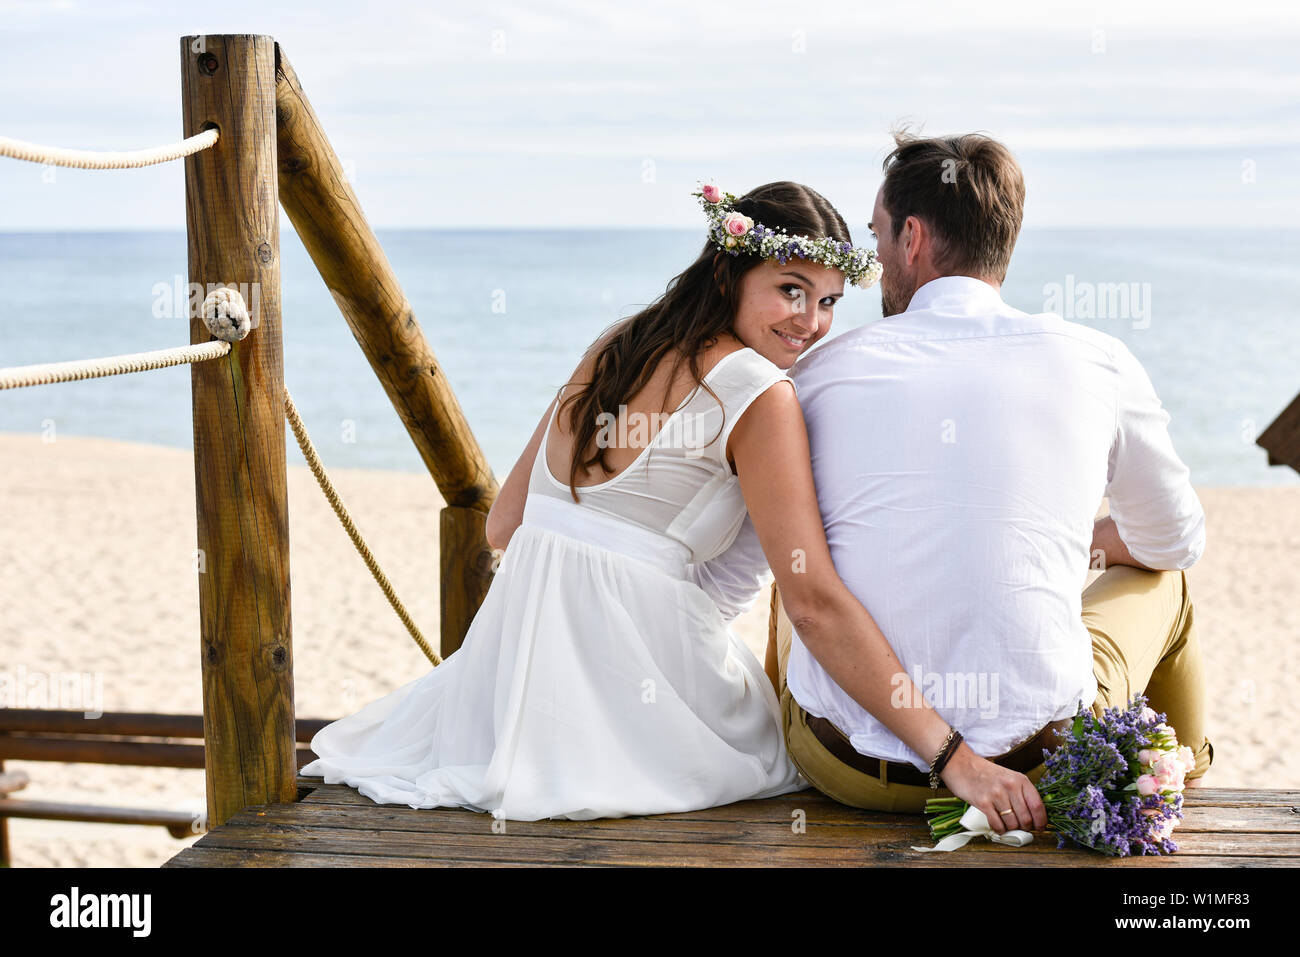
960	452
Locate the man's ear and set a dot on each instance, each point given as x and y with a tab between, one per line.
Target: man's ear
913	235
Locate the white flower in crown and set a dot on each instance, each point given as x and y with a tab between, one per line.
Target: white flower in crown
734	233
871	276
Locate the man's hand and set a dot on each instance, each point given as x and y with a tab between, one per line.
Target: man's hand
1105	538
994	789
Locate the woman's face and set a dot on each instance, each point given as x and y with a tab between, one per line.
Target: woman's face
784	309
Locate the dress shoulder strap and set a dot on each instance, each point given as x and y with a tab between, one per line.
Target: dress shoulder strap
745	376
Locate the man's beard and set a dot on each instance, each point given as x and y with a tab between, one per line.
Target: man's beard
893	299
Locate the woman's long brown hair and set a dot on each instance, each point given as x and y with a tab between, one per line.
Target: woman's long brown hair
698	306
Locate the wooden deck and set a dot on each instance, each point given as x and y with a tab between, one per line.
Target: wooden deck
334	826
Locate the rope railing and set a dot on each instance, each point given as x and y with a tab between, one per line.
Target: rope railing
327	486
19	376
16	377
90	159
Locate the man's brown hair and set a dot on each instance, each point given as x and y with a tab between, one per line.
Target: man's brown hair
968	189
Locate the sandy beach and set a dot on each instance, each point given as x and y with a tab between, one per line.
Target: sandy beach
98	579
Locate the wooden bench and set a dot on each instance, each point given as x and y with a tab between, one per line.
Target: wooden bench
132	738
332	825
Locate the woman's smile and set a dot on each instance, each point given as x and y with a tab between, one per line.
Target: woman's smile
796	344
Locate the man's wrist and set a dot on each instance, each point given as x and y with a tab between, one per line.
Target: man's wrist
957	764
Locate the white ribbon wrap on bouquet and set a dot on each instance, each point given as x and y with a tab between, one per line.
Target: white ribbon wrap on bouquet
977	825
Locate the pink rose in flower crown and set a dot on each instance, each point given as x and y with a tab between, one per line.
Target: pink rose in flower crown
1147	757
1187	758
1147	785
712	193
737	224
1148	714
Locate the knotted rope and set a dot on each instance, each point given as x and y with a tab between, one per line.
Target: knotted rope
224	313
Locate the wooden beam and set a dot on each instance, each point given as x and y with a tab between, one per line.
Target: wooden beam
232	223
179	824
126	723
328	219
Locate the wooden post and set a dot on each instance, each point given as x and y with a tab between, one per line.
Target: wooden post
232	222
329	221
5	788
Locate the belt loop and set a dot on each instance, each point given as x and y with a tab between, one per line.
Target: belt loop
884	773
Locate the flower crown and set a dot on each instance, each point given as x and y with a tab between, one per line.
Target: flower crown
734	233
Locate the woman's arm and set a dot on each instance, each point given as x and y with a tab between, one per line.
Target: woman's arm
507	512
770	447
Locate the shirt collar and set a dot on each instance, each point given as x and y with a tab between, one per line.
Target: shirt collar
954	289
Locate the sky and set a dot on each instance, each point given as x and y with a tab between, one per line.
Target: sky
600	114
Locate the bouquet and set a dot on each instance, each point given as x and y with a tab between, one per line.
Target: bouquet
1114	784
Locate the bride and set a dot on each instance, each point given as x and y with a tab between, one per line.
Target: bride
599	677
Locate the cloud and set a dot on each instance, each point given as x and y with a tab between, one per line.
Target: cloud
522	104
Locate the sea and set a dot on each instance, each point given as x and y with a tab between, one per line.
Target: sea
1214	317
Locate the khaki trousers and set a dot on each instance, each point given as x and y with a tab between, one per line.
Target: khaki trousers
1143	640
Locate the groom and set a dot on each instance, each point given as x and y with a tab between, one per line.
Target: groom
961	448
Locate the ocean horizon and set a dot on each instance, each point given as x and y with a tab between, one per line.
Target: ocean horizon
509	312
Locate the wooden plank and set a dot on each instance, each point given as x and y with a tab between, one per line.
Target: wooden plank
470	823
178	823
1268	820
1222	828
814	807
98	750
826	810
1224	797
561	841
870	829
1279	819
507	849
225	857
1272	830
125	723
233	227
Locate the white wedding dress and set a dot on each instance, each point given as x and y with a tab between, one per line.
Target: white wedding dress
597	679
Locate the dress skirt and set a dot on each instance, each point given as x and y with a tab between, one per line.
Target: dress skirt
595	681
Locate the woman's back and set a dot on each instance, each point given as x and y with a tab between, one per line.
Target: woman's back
672	475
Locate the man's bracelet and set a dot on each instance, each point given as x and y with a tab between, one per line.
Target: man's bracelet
949	748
